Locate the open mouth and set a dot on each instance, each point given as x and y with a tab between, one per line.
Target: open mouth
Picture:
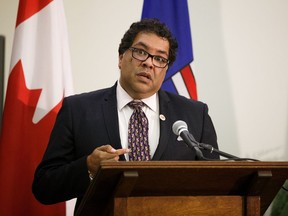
145	75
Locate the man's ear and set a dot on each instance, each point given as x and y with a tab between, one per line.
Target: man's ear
120	61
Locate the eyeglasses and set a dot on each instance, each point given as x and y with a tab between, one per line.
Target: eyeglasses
142	55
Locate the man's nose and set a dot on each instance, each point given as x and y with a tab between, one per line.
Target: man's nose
149	62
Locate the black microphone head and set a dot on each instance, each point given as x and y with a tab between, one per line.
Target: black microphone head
179	126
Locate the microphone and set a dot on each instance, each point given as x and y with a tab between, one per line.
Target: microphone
180	128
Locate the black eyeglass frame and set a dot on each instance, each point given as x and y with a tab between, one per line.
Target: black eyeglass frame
133	49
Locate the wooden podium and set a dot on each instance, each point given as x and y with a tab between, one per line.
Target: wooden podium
183	188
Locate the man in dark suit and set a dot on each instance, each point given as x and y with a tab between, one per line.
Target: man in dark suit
93	127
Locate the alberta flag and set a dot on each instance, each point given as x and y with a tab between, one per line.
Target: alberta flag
40	76
174	13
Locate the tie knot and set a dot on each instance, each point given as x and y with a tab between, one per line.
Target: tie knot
136	104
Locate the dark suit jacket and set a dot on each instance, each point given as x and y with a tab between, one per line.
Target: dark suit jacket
89	120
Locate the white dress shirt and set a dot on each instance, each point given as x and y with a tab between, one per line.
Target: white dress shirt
151	111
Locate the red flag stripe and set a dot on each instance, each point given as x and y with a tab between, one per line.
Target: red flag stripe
28	8
189	81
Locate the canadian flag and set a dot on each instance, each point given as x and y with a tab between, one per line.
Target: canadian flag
39	78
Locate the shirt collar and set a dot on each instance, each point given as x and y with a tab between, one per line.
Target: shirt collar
123	98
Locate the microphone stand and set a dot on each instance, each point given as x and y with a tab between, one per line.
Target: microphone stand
211	149
199	154
221	153
191	144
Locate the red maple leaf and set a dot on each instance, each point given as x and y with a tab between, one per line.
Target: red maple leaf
22	145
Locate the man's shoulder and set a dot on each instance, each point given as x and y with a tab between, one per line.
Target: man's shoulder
176	99
97	94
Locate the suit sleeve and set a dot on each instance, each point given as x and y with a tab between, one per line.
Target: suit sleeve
61	176
209	134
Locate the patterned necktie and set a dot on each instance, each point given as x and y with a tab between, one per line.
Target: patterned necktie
138	133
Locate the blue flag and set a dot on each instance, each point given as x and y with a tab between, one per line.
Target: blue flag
174	13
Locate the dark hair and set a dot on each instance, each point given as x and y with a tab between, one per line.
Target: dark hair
151	26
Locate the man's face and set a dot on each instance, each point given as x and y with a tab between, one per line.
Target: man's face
141	79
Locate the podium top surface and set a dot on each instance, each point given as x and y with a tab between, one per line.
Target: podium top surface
192	164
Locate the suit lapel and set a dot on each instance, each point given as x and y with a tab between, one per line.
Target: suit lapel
110	114
165	125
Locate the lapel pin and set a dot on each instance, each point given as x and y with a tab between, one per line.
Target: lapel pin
162	117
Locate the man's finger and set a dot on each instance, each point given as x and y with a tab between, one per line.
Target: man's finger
122	151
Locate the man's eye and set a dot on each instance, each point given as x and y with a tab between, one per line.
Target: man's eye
141	52
160	59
